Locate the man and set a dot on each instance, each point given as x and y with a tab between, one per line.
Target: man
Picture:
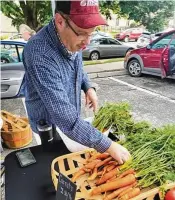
26	32
54	75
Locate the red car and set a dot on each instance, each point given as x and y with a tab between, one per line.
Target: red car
129	34
157	58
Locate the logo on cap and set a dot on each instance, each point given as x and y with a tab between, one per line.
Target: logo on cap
89	3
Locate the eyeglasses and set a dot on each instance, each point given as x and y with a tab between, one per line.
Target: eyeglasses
80	36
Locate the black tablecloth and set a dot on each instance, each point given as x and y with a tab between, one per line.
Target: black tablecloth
33	182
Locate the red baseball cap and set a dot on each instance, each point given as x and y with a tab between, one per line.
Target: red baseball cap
84	13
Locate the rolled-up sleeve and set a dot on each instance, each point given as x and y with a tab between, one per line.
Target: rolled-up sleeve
47	81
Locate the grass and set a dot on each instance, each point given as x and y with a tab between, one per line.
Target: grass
103	61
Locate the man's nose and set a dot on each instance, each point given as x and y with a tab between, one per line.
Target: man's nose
86	41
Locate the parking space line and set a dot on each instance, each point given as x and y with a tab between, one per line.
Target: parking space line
143	90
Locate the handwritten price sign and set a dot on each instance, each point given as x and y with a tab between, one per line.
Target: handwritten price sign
66	189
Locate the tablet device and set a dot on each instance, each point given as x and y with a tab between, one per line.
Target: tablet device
25	157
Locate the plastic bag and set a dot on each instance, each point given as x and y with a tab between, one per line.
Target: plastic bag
71	144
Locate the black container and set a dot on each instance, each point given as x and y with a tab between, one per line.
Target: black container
46	133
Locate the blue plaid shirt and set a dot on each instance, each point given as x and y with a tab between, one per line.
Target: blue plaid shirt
54	78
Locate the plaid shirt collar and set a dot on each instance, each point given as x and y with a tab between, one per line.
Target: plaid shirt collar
56	37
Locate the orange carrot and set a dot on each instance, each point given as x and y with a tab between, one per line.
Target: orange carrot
111	179
106	177
129	171
130	187
104	162
105	168
103	156
92	164
87	170
125	191
100	173
118	192
133	193
94	175
118	183
113	162
77	174
110	167
115	193
93	157
100	156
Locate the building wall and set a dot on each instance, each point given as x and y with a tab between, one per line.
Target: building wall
6	25
117	23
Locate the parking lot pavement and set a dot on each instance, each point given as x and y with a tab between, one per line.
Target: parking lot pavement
157	85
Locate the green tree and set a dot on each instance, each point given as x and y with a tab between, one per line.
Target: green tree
33	13
151	14
107	6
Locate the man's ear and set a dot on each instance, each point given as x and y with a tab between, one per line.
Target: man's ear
59	21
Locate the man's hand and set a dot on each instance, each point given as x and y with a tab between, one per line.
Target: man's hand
119	152
91	99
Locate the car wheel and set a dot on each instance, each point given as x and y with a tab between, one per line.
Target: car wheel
94	55
134	68
126	39
4	60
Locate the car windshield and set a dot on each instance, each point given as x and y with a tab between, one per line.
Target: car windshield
94	41
8	53
164	42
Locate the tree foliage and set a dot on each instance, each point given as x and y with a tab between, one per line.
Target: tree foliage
107	6
33	13
151	14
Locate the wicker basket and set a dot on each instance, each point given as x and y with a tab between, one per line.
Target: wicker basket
70	163
16	132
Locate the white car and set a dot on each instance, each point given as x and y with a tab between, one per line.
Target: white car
98	34
144	39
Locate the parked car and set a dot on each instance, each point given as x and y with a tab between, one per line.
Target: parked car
105	47
8	56
97	34
157	58
144	39
129	34
12	69
9	53
17	37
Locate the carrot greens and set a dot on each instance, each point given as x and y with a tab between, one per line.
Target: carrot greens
152	149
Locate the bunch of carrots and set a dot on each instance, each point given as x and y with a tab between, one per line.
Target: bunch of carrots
108	177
